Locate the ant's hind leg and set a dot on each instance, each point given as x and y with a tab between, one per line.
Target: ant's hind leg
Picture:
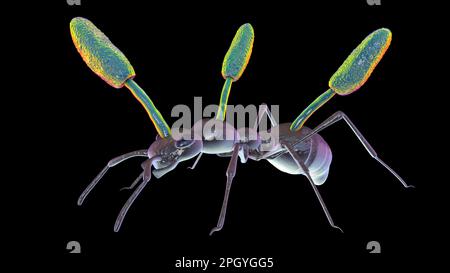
302	165
340	115
231	171
113	162
264	109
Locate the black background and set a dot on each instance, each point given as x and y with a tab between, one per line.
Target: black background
177	52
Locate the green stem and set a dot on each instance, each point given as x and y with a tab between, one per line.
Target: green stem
316	104
221	112
158	121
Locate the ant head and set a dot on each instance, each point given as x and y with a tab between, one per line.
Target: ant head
173	150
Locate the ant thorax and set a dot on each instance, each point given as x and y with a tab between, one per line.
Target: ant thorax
218	136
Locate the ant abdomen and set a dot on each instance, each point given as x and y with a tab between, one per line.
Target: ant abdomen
319	160
314	152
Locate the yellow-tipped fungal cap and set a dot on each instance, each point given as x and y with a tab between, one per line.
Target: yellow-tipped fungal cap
99	53
357	68
239	53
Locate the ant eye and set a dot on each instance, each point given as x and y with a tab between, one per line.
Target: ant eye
183	143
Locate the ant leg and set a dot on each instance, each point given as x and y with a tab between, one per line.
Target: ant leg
146	174
113	162
196	161
263	108
302	165
231	171
340	115
134	183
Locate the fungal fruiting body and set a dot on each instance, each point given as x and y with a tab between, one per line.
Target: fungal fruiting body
234	63
108	62
352	74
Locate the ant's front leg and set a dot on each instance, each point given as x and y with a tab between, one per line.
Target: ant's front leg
146	176
231	171
113	162
196	161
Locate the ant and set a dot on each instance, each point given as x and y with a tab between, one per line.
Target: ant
299	149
